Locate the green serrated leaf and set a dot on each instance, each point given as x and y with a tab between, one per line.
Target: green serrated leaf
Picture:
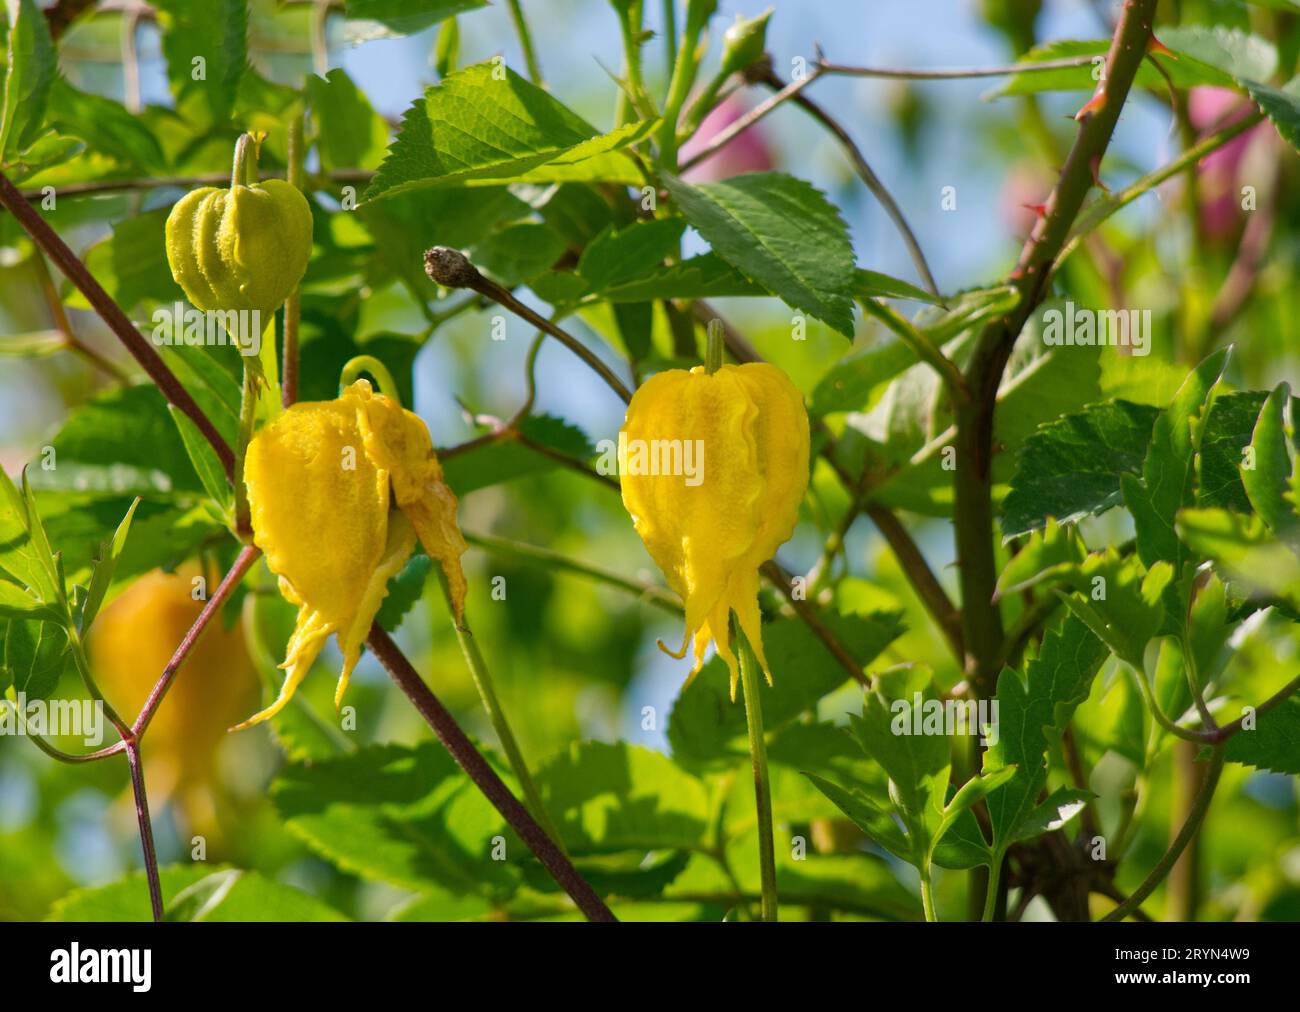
706	276
1071	468
132	265
781	233
875	822
621	255
407	816
1269	480
1050	553
874	285
21	558
206	463
520	252
406	17
1281	106
486	123
1228	428
612	797
1169	469
1062	805
1244	551
127	899
1120	600
1205	55
1274	743
1030	714
854	382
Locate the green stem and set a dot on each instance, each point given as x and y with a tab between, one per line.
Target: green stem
661	597
924	347
483	682
679	88
629	24
991	890
1195	816
927	897
82	664
293	306
368	363
670	34
749	680
713	348
244	170
1103	209
525	41
247	423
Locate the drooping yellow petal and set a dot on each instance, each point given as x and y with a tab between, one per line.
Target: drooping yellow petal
320	513
401	542
714	467
398	441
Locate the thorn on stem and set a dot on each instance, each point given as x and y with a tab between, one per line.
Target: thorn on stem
1095	165
1094	104
1155	46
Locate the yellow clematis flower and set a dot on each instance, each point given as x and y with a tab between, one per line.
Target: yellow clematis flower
746	431
339	492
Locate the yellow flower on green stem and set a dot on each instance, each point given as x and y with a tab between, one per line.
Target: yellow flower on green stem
711	532
339	492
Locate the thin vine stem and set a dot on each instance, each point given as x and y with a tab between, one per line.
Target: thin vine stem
869	178
991	889
478	669
215	602
957	73
925	348
469	759
661	597
452	269
293	305
146	827
1090	220
685	67
749	680
1195	816
525	41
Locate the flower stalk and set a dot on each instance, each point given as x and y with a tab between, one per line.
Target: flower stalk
749	680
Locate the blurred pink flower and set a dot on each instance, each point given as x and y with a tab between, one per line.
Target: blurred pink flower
747	152
1023	191
1220	172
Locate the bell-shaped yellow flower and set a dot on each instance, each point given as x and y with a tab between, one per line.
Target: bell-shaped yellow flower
714	467
339	491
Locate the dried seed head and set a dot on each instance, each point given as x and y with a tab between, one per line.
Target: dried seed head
450	268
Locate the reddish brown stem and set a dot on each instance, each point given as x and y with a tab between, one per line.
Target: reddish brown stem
243	563
485	778
146	827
